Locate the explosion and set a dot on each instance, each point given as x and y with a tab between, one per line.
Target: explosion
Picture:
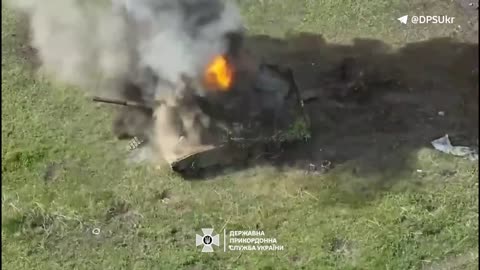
161	57
139	51
219	74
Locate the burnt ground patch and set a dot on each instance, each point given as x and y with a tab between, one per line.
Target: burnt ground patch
372	103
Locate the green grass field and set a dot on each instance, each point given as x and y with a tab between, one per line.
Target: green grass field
64	175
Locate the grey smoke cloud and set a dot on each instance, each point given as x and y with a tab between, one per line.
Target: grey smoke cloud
98	45
106	47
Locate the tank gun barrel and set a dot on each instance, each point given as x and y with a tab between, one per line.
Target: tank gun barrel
121	102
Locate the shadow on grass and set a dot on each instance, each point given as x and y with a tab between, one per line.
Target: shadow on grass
372	105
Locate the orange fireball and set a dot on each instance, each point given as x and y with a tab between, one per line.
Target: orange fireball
219	74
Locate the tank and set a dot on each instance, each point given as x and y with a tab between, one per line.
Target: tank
258	112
